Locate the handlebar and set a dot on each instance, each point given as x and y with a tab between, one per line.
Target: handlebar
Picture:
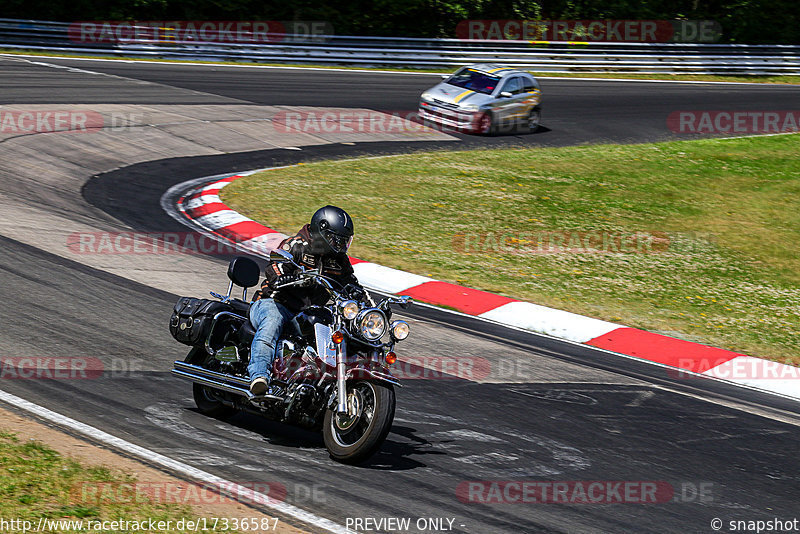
278	255
403	301
307	276
290	284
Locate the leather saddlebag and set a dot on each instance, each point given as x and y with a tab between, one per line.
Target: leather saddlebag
191	319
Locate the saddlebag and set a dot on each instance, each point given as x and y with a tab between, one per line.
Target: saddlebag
191	319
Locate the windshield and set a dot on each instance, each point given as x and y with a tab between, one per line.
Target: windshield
475	80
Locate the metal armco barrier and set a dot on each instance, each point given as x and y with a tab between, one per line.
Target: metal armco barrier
415	52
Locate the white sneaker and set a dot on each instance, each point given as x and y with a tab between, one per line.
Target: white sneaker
259	386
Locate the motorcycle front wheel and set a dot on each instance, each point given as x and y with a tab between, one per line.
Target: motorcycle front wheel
355	436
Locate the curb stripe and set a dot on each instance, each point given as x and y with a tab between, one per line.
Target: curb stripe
197	201
214	191
205	209
557	323
221	219
244	231
663	349
463	299
385	278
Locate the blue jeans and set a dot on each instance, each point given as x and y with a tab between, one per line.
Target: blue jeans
269	318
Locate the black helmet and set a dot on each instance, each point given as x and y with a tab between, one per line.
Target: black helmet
332	228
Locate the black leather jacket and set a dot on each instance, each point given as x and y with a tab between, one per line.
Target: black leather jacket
302	249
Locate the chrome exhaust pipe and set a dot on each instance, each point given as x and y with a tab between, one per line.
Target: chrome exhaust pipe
220	377
213	383
213	379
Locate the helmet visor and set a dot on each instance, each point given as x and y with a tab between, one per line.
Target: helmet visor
339	243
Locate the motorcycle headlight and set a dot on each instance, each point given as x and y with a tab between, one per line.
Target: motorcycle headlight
371	324
399	330
349	309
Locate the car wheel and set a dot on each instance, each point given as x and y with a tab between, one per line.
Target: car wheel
534	119
486	124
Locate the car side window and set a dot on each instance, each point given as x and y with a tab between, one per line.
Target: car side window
528	85
513	85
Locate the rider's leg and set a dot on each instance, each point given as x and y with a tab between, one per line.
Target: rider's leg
268	318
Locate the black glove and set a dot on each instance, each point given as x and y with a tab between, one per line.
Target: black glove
284	279
355	291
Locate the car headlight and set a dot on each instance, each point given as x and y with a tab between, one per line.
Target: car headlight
371	324
350	309
399	330
426	96
470	107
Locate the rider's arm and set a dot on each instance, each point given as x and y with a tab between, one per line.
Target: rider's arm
275	270
348	276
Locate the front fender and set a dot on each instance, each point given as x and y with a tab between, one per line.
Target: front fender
362	373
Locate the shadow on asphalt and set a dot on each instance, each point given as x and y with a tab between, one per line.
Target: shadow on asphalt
393	455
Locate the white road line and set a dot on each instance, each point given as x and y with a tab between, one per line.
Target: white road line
172	465
135	81
80	71
370	71
201	63
71	69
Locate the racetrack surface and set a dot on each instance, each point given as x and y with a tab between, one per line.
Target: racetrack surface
574	111
549	411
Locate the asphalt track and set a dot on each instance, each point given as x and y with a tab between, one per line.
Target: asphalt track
574	111
565	413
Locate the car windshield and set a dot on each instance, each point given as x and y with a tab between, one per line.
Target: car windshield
475	80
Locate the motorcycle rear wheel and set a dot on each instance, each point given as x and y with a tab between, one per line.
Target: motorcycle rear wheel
354	437
208	404
204	397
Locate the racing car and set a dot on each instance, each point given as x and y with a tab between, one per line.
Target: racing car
485	99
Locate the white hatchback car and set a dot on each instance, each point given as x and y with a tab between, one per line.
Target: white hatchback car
484	99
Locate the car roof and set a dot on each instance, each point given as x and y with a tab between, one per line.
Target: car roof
501	71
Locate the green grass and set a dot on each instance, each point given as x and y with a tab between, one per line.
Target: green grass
608	75
728	276
36	482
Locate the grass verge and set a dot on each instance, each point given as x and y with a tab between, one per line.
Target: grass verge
37	482
794	80
711	228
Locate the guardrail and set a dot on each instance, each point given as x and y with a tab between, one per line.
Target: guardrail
434	53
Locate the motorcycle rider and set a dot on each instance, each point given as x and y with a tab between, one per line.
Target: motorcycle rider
320	245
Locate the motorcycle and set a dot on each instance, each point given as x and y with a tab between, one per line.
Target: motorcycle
332	373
